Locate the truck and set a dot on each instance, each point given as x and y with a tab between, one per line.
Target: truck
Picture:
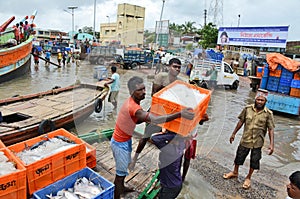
134	58
213	73
281	78
101	54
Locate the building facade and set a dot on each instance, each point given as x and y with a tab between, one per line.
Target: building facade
129	28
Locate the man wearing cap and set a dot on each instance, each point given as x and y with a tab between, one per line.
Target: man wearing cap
258	119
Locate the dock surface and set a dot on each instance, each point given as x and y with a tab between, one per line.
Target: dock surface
145	168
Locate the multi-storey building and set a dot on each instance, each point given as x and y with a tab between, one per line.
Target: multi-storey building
129	28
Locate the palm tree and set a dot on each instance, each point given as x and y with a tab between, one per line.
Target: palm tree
175	29
189	28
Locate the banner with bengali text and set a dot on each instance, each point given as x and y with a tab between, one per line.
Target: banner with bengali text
275	36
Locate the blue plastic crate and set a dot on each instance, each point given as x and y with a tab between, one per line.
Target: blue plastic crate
263	83
69	181
266	71
279	67
284	89
273	83
286	74
295	83
285	81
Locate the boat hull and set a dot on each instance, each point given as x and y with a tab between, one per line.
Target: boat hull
62	106
15	61
18	72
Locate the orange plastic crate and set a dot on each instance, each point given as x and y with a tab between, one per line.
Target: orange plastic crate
91	160
2	145
297	76
13	185
275	73
259	74
180	126
295	92
259	71
55	167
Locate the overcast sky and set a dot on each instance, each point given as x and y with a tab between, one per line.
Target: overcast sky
51	13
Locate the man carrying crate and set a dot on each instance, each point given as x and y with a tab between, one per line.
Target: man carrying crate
131	113
162	80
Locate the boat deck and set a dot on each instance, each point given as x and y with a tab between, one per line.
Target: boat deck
145	168
49	106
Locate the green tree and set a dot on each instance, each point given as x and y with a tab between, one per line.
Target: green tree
209	36
189	47
90	31
189	28
149	37
176	29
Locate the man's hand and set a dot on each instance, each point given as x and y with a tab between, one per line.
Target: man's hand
133	162
131	166
231	139
187	113
271	149
204	119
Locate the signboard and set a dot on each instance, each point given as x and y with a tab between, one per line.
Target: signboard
162	27
254	36
163	40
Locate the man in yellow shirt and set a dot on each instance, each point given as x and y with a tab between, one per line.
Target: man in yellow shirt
257	120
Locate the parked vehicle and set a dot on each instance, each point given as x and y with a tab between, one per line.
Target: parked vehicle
214	74
281	77
101	54
134	58
59	46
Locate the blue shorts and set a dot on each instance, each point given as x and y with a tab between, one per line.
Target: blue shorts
122	154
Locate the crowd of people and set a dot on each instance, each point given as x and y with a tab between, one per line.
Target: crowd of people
22	31
176	151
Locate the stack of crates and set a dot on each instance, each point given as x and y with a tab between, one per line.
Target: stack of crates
295	86
285	81
265	75
285	89
279	81
13	185
54	167
273	79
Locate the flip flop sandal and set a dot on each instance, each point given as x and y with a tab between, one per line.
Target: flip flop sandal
247	184
230	175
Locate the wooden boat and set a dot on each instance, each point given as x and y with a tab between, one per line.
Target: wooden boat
27	116
15	61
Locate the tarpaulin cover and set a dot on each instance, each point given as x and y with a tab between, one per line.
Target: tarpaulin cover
274	59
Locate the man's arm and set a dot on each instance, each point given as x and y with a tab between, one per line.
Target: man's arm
110	80
271	137
156	88
144	116
237	128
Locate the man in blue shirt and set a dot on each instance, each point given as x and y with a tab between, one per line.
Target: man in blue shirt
114	80
171	148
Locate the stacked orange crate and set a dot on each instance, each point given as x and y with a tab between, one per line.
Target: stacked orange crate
295	88
13	185
54	167
181	126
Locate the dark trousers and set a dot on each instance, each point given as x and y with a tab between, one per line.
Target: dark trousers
169	193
